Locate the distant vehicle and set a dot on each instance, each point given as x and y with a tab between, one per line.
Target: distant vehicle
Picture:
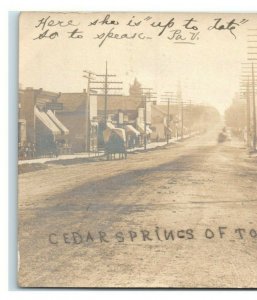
223	136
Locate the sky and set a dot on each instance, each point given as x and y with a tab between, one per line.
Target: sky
207	68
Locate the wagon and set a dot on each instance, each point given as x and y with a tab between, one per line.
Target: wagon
115	143
222	137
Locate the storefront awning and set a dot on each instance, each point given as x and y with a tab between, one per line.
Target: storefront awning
44	118
57	122
132	129
148	130
121	133
94	123
141	128
110	125
169	129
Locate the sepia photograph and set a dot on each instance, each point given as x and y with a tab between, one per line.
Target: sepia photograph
137	158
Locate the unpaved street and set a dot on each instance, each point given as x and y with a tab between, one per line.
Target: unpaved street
182	216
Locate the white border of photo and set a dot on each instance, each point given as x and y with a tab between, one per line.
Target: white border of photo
8	289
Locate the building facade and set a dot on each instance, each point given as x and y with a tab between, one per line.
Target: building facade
41	133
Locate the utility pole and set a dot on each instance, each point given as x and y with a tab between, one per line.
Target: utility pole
245	94
190	117
105	92
105	88
251	57
248	117
145	115
146	99
183	106
254	110
180	101
182	119
88	75
167	98
251	72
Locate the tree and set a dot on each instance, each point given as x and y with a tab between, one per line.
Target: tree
135	88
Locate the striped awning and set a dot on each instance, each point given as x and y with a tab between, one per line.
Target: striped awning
169	129
44	118
141	128
110	125
132	129
94	123
148	129
57	122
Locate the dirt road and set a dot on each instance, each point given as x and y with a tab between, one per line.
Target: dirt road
183	216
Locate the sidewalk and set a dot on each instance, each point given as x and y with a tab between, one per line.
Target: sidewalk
60	157
101	153
160	144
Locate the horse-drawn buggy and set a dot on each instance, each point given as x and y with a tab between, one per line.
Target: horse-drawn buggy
115	143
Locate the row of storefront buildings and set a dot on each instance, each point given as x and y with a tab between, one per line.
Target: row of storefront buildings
62	123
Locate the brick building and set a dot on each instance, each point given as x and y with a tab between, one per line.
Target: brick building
39	128
74	116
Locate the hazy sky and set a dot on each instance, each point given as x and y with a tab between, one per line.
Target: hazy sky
208	70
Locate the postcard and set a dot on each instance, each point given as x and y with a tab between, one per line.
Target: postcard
137	160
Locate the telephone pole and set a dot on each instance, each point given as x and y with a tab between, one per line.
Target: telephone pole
182	106
88	75
254	109
167	98
182	119
180	102
245	95
106	88
248	112
146	97
190	117
250	72
251	58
